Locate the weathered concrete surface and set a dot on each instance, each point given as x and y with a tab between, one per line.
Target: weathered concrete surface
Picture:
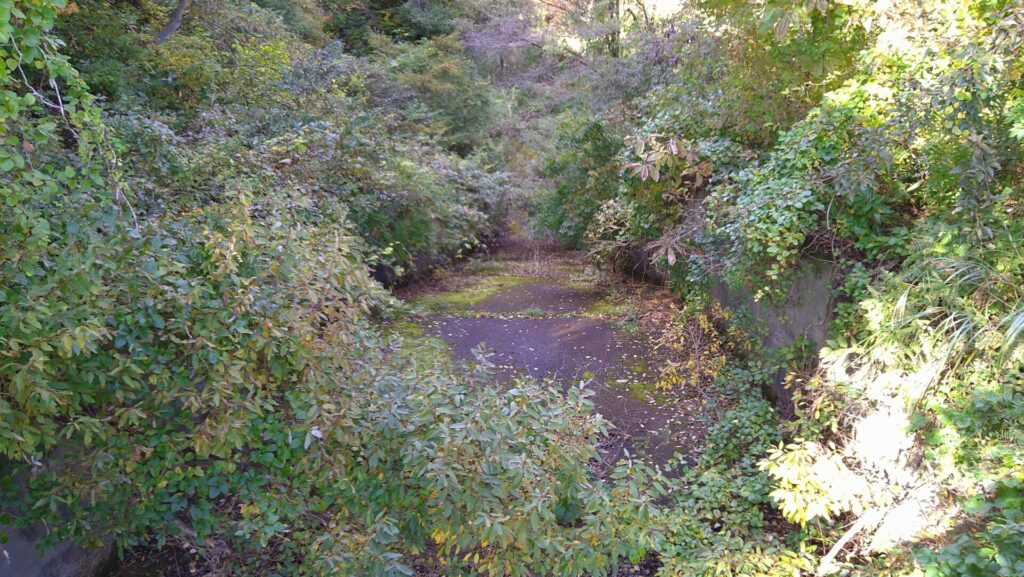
806	312
556	348
569	348
65	560
543	295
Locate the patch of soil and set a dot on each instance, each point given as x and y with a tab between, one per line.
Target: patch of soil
149	561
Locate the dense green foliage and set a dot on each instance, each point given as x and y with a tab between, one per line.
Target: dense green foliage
586	170
252	94
884	138
191	346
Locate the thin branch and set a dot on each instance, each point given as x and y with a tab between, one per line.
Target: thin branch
58	106
870	518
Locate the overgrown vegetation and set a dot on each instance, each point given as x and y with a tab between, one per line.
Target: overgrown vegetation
195	197
190	349
885	139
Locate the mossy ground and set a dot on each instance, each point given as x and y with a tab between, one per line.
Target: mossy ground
480	280
478	289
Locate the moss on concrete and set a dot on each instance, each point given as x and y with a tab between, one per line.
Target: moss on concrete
464	299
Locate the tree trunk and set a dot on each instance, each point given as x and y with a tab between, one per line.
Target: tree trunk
173	25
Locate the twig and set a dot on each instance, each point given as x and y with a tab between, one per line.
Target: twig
871	517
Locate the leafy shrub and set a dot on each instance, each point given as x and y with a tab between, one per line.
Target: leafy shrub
355	20
301	16
199	365
353	28
106	46
613	231
993	545
767	213
585	173
253	413
431	18
812	482
717	524
704	342
731	78
459	101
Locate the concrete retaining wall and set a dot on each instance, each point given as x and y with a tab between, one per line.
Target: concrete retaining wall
806	312
65	560
19	556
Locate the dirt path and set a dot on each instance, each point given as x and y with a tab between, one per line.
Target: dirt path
547	318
